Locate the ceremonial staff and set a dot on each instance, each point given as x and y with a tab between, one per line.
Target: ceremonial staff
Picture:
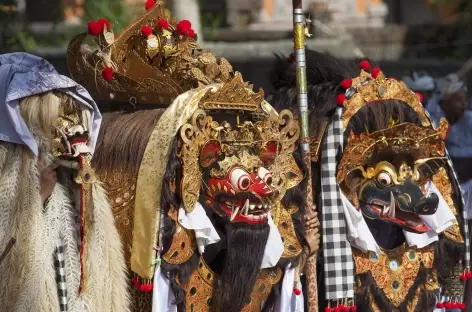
299	41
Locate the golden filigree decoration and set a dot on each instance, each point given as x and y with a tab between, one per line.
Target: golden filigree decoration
194	135
452	286
147	70
283	221
294	173
442	182
369	90
234	95
431	284
242	133
121	195
403	138
286	131
243	158
395	271
183	244
234	145
316	140
199	289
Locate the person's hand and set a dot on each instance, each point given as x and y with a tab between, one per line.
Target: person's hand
312	226
47	178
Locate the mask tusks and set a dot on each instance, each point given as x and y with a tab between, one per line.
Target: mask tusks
235	212
391	212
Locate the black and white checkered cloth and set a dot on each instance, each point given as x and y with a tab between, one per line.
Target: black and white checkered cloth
59	264
337	253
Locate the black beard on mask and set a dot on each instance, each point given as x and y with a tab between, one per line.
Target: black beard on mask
242	264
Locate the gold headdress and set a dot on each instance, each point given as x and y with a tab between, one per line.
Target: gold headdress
403	138
371	87
151	61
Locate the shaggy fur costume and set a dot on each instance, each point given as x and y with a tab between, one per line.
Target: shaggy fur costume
27	274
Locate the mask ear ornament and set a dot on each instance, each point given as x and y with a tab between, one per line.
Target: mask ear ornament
195	135
269	152
209	153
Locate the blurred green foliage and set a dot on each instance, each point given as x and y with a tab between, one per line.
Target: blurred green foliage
115	11
210	21
16	33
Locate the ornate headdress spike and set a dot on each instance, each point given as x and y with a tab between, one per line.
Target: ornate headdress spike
374	86
151	61
233	95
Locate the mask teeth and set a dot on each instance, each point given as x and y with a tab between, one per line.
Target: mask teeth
391	212
235	212
246	207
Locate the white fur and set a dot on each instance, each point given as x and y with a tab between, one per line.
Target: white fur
27	275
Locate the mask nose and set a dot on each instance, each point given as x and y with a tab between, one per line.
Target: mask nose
427	205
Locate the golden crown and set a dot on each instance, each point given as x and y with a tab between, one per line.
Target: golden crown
233	95
368	88
152	61
425	142
371	87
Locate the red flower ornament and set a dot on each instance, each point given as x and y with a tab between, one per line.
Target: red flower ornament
183	27
365	65
340	99
104	22
191	33
163	23
149	4
146	31
346	83
95	28
375	72
108	73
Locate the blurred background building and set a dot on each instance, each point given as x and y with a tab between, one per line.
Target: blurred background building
430	35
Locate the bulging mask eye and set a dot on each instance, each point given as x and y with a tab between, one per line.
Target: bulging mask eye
384	179
240	179
265	175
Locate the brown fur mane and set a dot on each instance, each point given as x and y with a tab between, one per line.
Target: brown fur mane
122	141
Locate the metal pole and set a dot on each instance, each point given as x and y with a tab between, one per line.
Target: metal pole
299	41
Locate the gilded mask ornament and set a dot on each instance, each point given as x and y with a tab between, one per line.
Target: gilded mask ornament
151	61
71	132
238	170
245	193
384	173
237	162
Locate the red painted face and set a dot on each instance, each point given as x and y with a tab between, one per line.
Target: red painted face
242	196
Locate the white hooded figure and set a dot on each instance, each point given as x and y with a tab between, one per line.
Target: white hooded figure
450	101
59	247
421	83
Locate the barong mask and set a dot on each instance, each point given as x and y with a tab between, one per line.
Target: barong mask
243	167
384	173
